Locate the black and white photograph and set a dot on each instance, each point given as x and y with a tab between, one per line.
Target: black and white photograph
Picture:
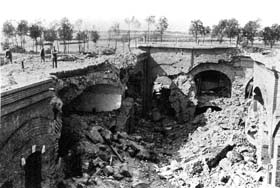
140	94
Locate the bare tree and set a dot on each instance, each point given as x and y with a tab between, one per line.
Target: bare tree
162	26
131	22
8	30
35	31
65	31
196	29
78	26
22	30
116	32
94	36
150	21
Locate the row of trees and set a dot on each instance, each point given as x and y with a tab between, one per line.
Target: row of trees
65	31
57	31
132	23
230	28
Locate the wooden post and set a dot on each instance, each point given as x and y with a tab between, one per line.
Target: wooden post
22	65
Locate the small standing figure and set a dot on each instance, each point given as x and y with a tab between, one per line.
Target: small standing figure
8	55
42	54
54	57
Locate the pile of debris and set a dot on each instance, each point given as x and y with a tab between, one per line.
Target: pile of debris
217	153
95	154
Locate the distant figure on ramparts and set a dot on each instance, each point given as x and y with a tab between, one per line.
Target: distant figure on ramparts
54	57
42	54
8	55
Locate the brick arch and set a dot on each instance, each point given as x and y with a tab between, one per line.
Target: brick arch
220	67
35	131
39	131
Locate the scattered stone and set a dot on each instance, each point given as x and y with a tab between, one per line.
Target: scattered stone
108	170
225	164
124	170
234	156
141	185
220	153
196	168
106	134
156	114
225	179
95	135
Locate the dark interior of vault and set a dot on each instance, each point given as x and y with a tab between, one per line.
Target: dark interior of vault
162	103
249	89
200	110
213	83
258	96
33	170
68	144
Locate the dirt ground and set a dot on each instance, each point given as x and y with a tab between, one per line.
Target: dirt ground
14	76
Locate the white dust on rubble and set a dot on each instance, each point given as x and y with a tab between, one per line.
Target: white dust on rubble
217	154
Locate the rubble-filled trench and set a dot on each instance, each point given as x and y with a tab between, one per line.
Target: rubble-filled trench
109	140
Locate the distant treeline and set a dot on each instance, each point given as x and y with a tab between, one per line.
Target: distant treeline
63	32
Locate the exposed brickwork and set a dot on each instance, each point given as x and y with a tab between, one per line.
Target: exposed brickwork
27	117
19	132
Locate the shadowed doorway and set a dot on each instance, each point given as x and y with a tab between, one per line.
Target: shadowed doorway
32	169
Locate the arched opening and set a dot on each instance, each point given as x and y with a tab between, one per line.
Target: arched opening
255	119
201	110
213	83
97	98
133	85
258	96
249	88
32	169
161	103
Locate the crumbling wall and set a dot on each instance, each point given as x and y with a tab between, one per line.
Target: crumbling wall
266	118
89	114
182	65
260	115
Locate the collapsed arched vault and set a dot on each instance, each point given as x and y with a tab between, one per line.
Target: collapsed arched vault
97	98
212	82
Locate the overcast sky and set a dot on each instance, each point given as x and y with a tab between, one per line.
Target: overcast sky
102	13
